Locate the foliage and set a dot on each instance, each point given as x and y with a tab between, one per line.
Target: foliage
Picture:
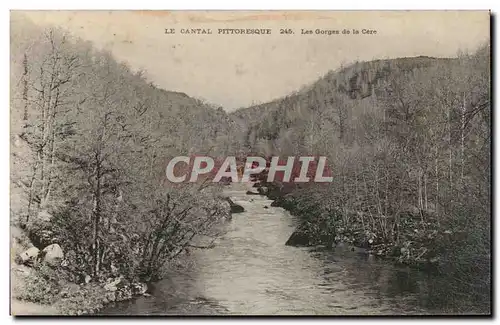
40	286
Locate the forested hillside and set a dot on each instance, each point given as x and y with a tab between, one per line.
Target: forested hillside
408	143
90	140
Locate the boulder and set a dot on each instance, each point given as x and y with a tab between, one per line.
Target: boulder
298	238
235	208
276	203
266	207
263	190
53	254
112	285
139	288
28	256
23	270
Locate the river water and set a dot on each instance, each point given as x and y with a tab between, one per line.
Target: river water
251	272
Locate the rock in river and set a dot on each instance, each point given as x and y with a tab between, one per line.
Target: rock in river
235	208
298	238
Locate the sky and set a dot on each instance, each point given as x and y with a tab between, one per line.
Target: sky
236	71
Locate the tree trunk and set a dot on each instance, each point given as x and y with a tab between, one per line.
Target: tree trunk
25	90
437	183
425	192
462	140
96	214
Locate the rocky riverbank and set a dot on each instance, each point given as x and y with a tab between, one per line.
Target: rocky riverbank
419	241
41	283
51	274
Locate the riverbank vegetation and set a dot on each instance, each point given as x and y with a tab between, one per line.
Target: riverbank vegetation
408	143
90	139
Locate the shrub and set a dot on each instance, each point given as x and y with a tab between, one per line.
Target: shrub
41	286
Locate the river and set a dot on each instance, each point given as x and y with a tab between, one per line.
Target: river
251	272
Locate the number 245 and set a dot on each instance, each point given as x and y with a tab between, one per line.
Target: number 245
286	31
